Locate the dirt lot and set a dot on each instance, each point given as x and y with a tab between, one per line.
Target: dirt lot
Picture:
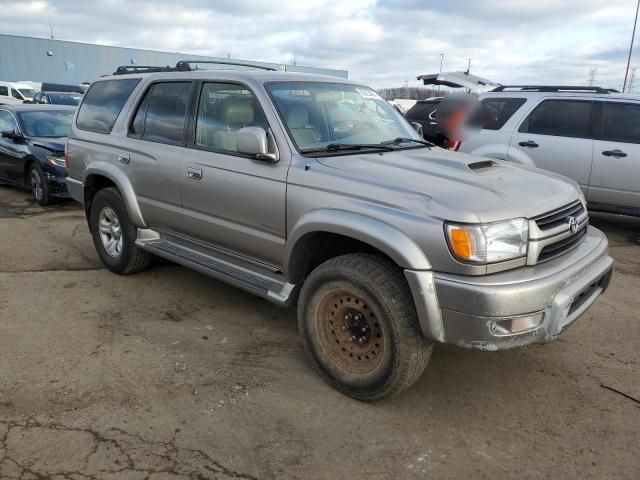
168	374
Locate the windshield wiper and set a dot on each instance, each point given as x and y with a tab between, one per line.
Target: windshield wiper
399	140
336	147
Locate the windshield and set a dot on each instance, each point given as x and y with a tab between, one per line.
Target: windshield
64	99
27	92
47	124
319	115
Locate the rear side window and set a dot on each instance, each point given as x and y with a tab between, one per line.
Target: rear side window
563	118
102	104
497	111
4	91
421	111
161	114
621	122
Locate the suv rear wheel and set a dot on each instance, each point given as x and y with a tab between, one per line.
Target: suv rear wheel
114	234
358	322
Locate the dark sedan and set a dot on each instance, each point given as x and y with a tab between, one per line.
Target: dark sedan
32	148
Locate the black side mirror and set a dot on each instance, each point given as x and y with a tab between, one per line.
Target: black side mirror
12	134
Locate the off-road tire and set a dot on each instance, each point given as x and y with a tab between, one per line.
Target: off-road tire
375	287
131	259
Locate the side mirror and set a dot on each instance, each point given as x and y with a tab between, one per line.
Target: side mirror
253	141
417	127
11	134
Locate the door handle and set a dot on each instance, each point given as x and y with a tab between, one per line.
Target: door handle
529	143
614	153
194	173
124	158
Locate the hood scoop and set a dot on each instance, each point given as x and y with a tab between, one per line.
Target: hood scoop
482	165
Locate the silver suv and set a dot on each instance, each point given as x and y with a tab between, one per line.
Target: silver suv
314	191
588	134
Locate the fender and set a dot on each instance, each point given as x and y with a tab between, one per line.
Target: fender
386	238
121	181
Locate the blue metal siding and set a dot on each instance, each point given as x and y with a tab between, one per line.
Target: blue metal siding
25	58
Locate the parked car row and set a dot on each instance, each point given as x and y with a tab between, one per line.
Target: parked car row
12	93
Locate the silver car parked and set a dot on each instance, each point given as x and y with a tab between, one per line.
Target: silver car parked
588	134
313	191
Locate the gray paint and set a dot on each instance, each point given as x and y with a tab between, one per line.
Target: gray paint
26	58
245	221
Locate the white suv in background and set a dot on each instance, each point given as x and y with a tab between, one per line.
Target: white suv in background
588	134
12	92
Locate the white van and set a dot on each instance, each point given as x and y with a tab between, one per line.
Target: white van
12	92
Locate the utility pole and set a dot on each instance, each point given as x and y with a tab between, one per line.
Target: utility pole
592	76
441	62
51	27
633	36
469	64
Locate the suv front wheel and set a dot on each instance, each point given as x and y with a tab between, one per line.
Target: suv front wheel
359	324
114	234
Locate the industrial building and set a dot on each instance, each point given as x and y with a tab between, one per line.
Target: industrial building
73	63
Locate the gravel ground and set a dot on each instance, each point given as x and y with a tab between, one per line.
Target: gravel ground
169	374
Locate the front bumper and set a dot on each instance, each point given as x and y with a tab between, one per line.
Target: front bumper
57	185
464	310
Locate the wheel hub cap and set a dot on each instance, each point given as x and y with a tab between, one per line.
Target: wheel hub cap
110	231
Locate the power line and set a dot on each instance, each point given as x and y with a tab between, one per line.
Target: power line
633	35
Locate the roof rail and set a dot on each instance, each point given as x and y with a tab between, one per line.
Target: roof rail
182	66
128	69
186	64
550	88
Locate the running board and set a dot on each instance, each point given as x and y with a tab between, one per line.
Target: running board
219	265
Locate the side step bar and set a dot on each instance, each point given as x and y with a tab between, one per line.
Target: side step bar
219	265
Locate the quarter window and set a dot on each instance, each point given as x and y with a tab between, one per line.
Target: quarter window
4	91
563	118
621	122
161	114
102	104
7	122
497	111
223	109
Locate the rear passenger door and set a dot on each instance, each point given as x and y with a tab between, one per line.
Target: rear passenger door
231	201
615	179
153	149
557	136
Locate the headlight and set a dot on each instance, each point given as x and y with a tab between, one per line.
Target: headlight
489	242
56	161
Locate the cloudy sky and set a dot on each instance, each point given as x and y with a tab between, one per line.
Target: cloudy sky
381	43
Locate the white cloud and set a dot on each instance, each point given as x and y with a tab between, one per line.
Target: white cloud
381	43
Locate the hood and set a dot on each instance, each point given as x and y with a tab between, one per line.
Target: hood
55	145
456	186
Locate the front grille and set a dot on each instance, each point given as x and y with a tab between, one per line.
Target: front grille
552	219
561	247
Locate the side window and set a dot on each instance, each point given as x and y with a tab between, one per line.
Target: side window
7	122
102	104
223	109
563	118
16	94
161	114
4	91
497	111
621	122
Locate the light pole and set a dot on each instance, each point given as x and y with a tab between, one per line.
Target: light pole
633	35
441	62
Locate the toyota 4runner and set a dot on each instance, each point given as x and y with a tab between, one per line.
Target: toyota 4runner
314	191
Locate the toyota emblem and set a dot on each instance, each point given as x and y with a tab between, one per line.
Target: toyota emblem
573	224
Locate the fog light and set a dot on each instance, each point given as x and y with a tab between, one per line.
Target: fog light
519	324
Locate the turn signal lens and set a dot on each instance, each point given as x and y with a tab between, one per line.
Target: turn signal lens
460	243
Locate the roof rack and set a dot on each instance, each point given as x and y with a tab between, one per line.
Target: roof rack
187	64
182	66
550	88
